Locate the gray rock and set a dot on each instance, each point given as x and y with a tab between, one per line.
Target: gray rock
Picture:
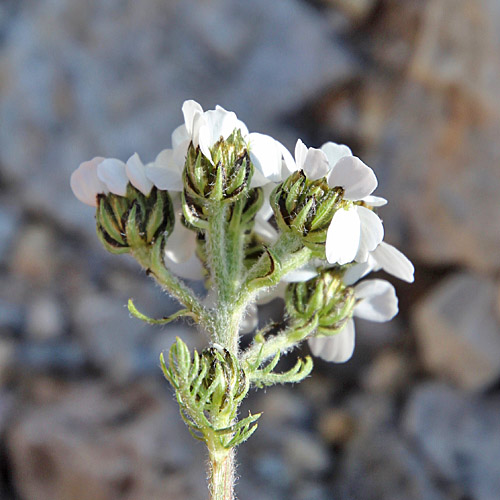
459	332
459	434
61	356
12	316
7	359
9	224
110	337
45	318
380	466
377	464
96	443
443	177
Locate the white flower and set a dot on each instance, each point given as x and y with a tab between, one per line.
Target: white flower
385	257
271	159
354	230
137	174
377	301
180	250
85	182
109	175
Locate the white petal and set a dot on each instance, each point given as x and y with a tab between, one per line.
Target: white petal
181	244
334	152
275	292
180	136
266	210
190	109
342	239
288	165
165	173
315	164
372	232
305	273
136	173
112	172
250	320
394	262
191	269
220	123
300	154
357	271
375	201
377	300
266	156
85	183
337	348
357	179
242	126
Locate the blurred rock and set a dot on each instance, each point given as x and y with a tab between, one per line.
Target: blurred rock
443	177
11	317
34	255
305	455
55	356
101	444
459	333
389	373
45	318
111	337
7	359
459	434
377	464
355	9
457	46
9	225
336	426
380	466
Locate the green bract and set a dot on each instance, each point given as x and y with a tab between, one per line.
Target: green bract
306	208
128	222
325	298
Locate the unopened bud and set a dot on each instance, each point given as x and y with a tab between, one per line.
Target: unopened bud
134	220
306	207
325	296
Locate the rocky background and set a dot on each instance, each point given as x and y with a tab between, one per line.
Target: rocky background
413	87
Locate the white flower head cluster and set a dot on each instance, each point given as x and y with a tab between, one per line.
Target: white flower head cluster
354	237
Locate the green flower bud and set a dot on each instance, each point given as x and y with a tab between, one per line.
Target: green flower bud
306	207
134	220
224	180
325	296
209	387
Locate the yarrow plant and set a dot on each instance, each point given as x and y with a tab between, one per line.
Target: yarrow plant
237	210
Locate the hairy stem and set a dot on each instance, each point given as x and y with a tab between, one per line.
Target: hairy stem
263	350
222	475
172	285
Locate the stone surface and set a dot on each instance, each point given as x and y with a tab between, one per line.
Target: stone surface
438	154
459	332
45	318
111	338
389	373
98	443
9	222
355	9
377	463
459	435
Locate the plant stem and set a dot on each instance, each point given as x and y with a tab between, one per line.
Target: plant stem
222	476
175	287
225	244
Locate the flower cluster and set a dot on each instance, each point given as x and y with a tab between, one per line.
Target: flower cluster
319	202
